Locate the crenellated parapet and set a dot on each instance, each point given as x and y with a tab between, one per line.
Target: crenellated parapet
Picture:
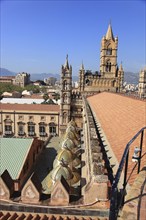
96	187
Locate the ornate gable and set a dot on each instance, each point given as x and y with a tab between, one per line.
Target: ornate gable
60	193
6	186
31	192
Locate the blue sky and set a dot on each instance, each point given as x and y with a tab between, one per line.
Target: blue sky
37	35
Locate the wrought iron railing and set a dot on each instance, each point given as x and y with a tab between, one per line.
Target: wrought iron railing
117	200
8	132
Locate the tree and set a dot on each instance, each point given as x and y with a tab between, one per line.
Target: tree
33	88
45	97
8	87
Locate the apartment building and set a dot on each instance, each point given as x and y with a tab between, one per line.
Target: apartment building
29	120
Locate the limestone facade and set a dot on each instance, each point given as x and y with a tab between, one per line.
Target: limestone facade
65	95
142	84
22	79
110	77
29	120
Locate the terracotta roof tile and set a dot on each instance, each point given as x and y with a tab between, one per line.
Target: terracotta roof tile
29	107
121	118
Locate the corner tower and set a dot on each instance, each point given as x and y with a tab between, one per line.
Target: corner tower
65	95
81	78
108	54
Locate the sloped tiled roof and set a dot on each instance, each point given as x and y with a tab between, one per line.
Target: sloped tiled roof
13	152
29	107
121	117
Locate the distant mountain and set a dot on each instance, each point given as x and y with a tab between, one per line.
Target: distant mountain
129	77
42	76
6	72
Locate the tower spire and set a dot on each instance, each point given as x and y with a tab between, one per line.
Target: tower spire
121	67
66	65
109	33
82	66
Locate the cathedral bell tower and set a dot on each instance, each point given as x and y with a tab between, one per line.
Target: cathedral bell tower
81	78
120	78
108	54
65	95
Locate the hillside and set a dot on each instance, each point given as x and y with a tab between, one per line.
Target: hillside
6	72
129	77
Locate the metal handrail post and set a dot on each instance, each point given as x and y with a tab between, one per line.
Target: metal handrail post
141	143
125	177
113	205
113	209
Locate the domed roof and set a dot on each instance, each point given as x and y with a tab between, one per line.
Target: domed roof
73	130
75	180
67	157
63	155
76	162
61	170
47	184
70	135
73	123
67	144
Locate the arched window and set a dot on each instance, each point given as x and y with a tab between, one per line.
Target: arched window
31	129
65	117
64	98
109	51
42	129
8	126
108	66
21	128
52	128
65	85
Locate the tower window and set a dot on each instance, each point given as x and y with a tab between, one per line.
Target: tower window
109	51
108	66
64	117
65	85
65	98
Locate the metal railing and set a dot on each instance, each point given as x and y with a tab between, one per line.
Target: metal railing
8	132
117	200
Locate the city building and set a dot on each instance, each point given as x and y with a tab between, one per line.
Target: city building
75	174
50	81
110	77
7	79
14	174
29	120
21	79
142	84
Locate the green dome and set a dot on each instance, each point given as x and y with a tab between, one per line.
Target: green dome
70	135
68	144
72	129
67	157
47	184
75	179
61	170
73	123
63	155
76	162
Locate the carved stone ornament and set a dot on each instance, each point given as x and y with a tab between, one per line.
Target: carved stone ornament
29	193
